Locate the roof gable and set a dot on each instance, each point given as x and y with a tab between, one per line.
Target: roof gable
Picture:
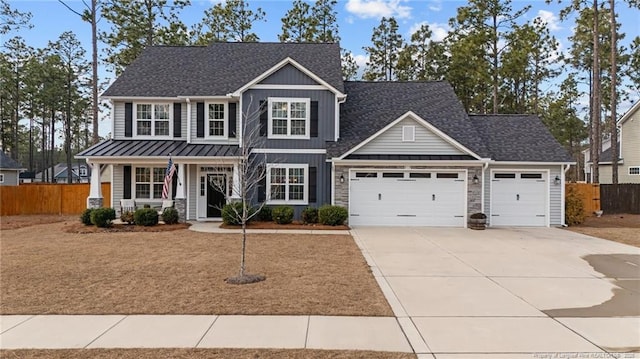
630	113
8	163
220	68
428	140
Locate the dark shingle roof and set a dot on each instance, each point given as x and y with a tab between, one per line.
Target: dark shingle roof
220	68
157	148
9	163
371	106
519	138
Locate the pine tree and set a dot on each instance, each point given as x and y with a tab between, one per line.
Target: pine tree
326	20
297	24
11	19
430	62
349	65
384	52
227	21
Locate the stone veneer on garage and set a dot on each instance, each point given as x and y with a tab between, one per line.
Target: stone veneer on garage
474	191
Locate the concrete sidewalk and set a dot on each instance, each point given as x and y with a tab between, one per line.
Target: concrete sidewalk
201	331
214	227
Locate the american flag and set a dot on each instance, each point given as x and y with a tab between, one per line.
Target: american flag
168	175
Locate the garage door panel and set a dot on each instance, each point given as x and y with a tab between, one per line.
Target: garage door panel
519	199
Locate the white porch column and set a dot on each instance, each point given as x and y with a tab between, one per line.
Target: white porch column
180	188
235	190
95	192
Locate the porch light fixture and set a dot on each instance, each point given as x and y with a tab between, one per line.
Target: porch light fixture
556	180
476	180
341	178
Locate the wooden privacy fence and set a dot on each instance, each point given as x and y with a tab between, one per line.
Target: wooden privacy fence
588	192
45	198
620	198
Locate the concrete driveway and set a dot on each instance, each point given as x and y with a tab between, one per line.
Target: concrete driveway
508	293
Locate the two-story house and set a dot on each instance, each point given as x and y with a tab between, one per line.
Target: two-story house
629	147
393	153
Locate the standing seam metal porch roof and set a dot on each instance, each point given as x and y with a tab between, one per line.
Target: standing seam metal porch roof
220	68
158	148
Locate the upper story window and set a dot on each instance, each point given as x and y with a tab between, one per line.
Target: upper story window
216	120
153	119
83	171
289	118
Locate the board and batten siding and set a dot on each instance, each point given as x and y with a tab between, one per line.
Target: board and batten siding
555	191
194	125
326	115
288	75
118	119
426	142
192	191
117	187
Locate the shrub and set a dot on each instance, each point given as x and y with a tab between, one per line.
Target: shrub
282	214
574	208
145	217
170	216
85	217
102	217
265	214
127	216
232	213
332	215
310	215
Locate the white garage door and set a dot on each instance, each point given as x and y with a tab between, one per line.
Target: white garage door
407	198
519	198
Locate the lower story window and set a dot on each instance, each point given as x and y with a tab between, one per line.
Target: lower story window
149	182
287	183
634	171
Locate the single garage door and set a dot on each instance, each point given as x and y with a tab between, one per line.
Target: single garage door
407	198
519	199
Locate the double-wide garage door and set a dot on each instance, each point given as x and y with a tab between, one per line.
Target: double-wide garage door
519	198
435	198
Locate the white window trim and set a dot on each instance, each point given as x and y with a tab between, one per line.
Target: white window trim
413	133
208	119
151	184
633	174
307	102
134	117
82	171
305	199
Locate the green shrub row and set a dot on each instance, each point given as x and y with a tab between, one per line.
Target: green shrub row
100	217
327	215
103	217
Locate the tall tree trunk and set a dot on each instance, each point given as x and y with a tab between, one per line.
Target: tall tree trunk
596	141
52	127
94	65
67	129
14	149
495	64
614	96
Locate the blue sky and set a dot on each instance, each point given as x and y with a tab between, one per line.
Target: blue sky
356	20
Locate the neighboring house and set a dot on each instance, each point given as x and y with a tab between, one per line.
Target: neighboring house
81	173
629	157
393	153
9	170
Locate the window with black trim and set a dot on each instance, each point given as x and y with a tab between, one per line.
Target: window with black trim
504	175
419	175
446	175
393	175
366	174
531	175
634	171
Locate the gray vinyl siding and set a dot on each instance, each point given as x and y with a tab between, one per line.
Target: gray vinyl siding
10	178
194	125
555	191
323	181
117	187
426	142
119	120
288	75
192	191
326	114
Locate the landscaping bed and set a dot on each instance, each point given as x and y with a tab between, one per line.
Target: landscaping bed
294	225
202	353
45	270
622	228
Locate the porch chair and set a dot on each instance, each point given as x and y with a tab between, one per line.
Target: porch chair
127	205
166	203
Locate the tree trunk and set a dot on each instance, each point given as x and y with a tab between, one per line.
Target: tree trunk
53	142
614	96
67	129
94	75
596	143
495	64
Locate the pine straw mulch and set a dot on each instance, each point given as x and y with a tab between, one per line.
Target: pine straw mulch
294	225
45	270
200	353
622	228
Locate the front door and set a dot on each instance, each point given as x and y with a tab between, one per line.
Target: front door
216	184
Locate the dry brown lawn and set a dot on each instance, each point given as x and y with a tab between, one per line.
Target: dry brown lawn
201	353
45	270
13	222
622	228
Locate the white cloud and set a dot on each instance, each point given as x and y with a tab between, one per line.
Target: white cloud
439	31
361	60
378	8
549	18
435	5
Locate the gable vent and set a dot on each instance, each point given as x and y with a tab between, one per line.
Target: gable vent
408	133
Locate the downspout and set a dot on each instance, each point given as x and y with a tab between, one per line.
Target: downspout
484	170
333	183
562	194
188	119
